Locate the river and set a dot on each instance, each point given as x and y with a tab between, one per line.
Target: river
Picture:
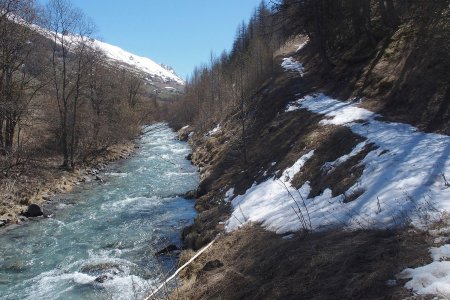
106	231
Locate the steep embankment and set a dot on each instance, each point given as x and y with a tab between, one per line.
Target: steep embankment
321	165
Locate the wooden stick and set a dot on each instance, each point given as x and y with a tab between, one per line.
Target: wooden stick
182	267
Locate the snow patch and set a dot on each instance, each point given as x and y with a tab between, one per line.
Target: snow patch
441	253
290	64
289	173
402	179
401	182
431	279
302	45
229	195
330	166
273	203
214	131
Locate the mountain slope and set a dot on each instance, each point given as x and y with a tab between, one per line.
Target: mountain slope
161	80
138	63
307	165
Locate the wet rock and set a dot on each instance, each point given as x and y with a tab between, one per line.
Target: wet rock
190	195
167	250
98	178
102	278
33	211
100	268
17	266
189	156
212	265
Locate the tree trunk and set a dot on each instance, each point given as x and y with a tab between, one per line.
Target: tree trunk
392	13
9	133
1	133
388	13
64	144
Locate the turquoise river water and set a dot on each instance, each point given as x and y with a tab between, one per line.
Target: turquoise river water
105	230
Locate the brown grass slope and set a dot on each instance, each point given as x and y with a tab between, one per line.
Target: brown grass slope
406	78
334	265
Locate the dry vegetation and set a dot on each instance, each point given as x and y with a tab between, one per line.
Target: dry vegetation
394	55
332	265
63	105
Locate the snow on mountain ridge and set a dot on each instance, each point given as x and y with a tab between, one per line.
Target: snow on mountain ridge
138	62
114	53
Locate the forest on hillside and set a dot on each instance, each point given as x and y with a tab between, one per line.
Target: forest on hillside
59	96
347	38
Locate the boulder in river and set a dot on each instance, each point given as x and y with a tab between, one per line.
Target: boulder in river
100	268
167	250
190	195
102	278
33	210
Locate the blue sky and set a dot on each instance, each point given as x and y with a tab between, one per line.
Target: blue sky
179	33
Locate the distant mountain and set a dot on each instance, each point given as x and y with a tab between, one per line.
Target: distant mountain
140	64
160	80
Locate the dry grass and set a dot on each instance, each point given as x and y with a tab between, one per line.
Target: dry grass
36	181
332	265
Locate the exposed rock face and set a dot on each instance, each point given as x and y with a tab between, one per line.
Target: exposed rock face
33	211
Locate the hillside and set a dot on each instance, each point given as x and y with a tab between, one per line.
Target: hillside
160	80
327	178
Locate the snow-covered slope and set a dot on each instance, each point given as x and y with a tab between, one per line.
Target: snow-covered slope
137	63
150	70
405	179
145	67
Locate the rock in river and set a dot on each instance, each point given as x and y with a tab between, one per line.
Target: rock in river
167	250
190	195
33	210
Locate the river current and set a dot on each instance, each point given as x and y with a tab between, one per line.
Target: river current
101	239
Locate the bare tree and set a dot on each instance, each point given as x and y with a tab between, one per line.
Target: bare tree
71	35
134	85
20	70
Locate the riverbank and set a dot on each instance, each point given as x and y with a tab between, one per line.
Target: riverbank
44	179
101	240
